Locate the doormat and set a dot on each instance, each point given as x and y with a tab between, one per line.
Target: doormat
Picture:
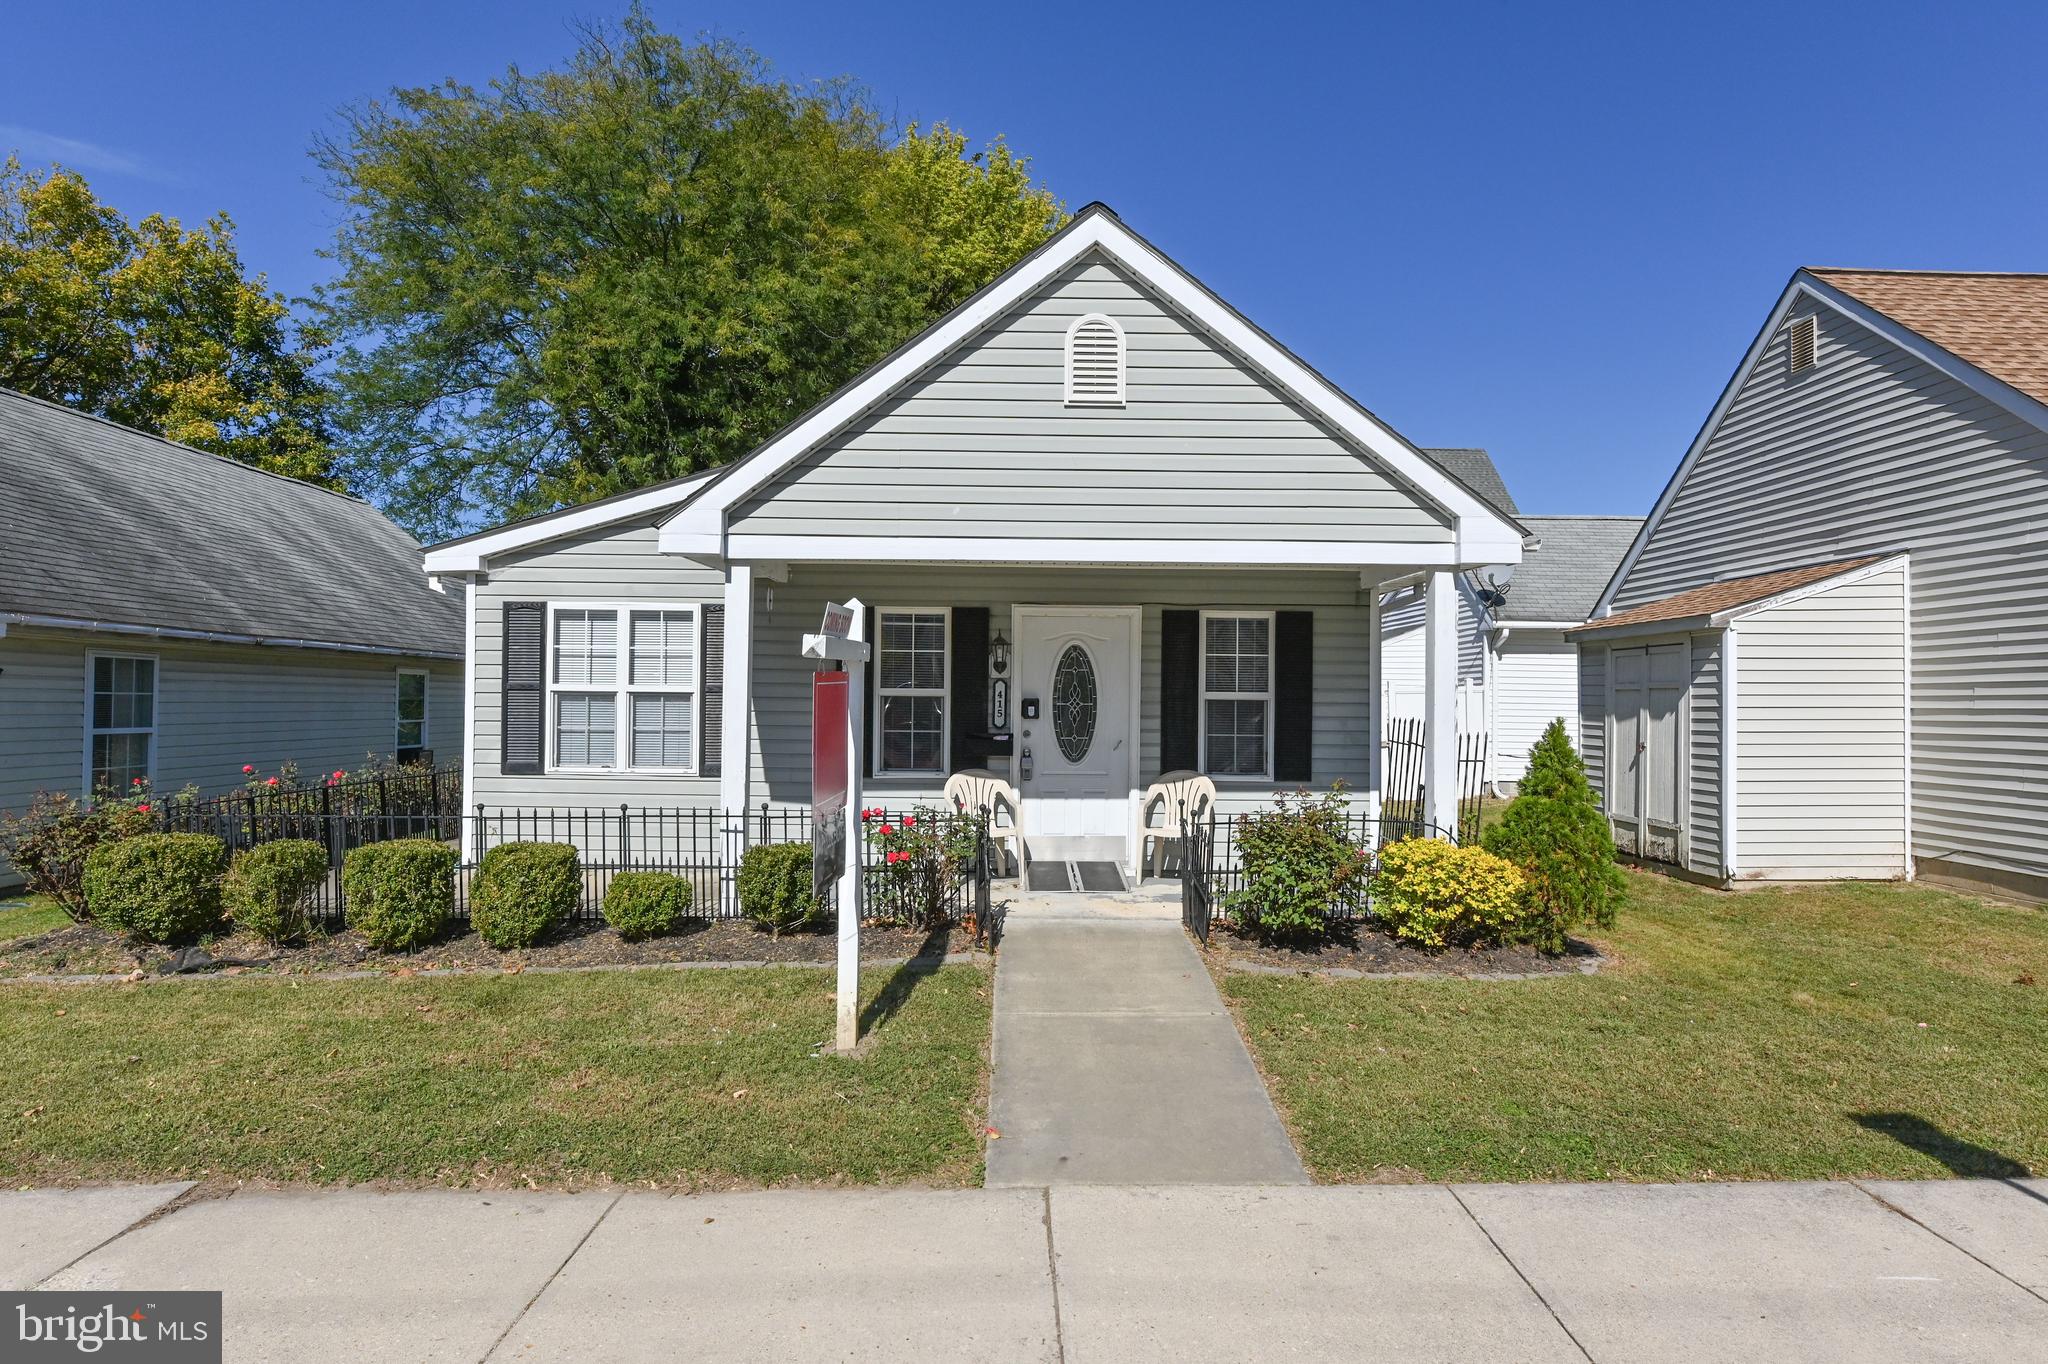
1074	877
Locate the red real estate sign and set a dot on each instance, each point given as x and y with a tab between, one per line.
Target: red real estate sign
829	732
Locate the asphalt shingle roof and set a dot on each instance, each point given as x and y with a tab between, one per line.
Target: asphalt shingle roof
1726	596
1563	577
104	523
1474	469
1999	323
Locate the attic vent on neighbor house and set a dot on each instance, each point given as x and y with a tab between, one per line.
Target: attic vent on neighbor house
1095	362
1800	343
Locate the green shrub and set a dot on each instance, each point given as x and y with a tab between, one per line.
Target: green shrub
401	893
522	891
267	888
775	886
157	887
647	904
922	855
49	842
1437	894
1555	833
1299	863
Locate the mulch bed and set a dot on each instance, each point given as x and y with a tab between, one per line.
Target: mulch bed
87	949
1366	950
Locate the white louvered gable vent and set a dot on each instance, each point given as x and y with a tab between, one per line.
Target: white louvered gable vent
1095	362
1802	343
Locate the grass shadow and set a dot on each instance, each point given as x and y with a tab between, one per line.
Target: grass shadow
904	980
1961	1157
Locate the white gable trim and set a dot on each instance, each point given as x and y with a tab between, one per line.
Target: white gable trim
1804	285
468	555
1481	535
1801	593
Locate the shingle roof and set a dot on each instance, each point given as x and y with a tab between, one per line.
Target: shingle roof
1474	469
1562	578
1999	323
104	523
1726	596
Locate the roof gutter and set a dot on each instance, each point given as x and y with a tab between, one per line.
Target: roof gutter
212	636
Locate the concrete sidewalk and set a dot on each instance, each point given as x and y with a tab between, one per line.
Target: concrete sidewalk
1937	1271
1115	1060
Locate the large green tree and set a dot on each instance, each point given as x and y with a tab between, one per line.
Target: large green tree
154	326
581	281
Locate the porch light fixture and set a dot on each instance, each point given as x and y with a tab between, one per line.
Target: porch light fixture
999	654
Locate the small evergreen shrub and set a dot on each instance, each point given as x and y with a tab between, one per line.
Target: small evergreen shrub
49	842
267	888
157	887
522	891
647	904
1299	864
1437	894
775	886
401	893
1554	832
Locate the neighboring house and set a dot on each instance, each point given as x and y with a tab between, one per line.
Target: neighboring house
172	615
1827	652
1516	669
1167	529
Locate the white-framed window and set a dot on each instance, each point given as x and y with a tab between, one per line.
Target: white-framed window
1095	362
120	720
622	687
1237	694
410	740
913	647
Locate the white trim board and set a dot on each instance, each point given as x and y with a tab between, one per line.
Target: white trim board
1482	535
1805	285
468	554
1336	554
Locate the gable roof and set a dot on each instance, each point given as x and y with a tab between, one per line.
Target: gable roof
1716	600
1560	580
105	524
700	503
1474	468
1998	322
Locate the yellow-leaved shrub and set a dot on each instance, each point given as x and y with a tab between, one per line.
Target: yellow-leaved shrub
1437	894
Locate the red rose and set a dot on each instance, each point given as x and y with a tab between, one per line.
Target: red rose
270	781
339	774
142	808
885	831
248	769
136	782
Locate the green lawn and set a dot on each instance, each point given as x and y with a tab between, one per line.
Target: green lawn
676	1078
26	916
1773	1034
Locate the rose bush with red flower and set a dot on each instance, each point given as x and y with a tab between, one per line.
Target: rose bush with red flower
922	856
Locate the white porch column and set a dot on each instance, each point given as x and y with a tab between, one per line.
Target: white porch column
1375	704
1440	703
736	756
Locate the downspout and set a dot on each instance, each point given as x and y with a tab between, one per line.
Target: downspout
1492	663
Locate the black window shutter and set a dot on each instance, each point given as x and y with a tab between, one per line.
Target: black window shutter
714	691
969	699
1180	690
867	703
1294	695
525	687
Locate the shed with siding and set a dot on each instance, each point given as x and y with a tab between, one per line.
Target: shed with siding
1755	729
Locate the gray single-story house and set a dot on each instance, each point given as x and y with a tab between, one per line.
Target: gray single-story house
1094	489
172	615
1826	653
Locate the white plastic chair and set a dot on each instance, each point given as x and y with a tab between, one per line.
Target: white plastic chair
1175	796
977	788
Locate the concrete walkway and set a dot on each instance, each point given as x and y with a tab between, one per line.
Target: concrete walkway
1115	1060
1636	1274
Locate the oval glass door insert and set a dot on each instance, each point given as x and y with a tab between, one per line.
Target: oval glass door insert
1073	703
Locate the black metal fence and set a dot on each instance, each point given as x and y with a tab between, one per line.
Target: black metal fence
1214	867
403	802
1402	784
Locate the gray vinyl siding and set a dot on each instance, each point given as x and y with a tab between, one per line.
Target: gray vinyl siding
1703	762
619	563
1402	656
1535	681
1593	716
1873	450
218	706
984	444
1820	735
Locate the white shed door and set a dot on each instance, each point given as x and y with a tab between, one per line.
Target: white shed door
1646	785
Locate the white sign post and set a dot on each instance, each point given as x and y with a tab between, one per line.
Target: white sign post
840	641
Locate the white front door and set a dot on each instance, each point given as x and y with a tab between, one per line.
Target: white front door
1076	668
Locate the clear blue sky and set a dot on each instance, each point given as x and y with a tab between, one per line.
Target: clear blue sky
1545	229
